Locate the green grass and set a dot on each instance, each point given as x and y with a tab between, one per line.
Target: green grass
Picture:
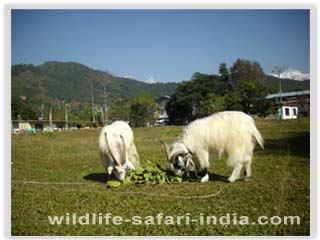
280	185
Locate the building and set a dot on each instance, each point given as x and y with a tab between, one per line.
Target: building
32	126
288	112
292	104
160	114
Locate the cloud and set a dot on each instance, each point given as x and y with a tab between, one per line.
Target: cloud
293	74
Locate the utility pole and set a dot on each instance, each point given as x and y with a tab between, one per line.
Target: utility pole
280	88
102	116
128	117
105	96
50	118
278	70
66	115
92	104
104	81
41	115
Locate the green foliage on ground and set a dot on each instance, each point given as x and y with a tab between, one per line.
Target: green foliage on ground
280	185
150	174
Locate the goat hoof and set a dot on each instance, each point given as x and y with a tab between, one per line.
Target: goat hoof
230	180
205	179
247	179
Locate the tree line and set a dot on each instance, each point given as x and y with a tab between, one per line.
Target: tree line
242	87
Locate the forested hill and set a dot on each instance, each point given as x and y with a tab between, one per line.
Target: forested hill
288	85
70	82
55	83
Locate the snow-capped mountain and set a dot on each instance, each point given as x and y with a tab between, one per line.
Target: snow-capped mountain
151	80
293	74
129	76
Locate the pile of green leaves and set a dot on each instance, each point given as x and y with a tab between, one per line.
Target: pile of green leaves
150	174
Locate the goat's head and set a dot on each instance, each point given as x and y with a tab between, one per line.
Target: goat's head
119	166
178	157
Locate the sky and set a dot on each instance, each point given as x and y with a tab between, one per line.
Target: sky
164	45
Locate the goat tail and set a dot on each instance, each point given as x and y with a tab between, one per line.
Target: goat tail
258	137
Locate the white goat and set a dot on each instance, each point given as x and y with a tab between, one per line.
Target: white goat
117	149
231	133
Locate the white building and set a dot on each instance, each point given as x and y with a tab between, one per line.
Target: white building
290	105
288	112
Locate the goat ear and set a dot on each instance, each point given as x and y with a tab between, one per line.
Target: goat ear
110	151
166	148
109	170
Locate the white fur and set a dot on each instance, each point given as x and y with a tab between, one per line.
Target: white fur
231	133
114	132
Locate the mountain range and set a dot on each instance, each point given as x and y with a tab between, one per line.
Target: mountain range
55	83
293	74
71	82
288	85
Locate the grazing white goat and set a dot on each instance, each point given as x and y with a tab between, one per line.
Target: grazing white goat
117	149
231	133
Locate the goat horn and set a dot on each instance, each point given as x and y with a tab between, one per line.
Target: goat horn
166	148
124	152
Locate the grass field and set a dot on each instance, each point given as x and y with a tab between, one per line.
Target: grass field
280	185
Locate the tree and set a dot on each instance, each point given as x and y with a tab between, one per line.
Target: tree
252	97
224	73
206	94
249	84
223	86
120	109
247	70
21	109
19	68
85	115
199	97
232	101
179	108
142	109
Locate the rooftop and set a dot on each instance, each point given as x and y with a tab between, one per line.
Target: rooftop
288	94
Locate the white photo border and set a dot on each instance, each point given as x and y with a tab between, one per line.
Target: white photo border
5	84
